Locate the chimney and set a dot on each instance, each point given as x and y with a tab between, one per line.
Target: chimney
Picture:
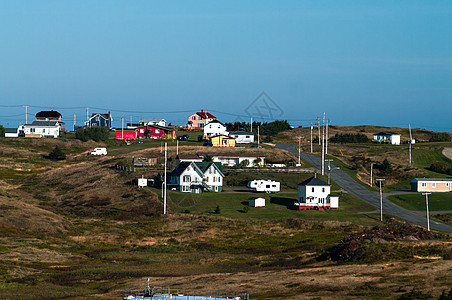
315	175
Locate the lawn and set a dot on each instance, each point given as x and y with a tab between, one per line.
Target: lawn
437	201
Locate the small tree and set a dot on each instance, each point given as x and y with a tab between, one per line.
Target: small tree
244	163
217	210
2	131
208	158
57	154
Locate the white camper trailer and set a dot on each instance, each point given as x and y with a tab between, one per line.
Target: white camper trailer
267	186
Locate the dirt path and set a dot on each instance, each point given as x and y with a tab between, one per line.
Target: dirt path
447	152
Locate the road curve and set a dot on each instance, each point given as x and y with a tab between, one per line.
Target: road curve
373	198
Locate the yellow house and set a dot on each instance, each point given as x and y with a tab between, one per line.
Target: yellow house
222	141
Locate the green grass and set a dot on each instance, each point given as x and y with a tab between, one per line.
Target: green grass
437	201
423	158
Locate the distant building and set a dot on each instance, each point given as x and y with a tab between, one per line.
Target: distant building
42	129
96	119
12	132
199	120
222	141
151	132
387	137
49	115
432	185
196	177
242	137
214	128
314	193
159	122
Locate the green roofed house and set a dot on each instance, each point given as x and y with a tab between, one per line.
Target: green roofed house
196	177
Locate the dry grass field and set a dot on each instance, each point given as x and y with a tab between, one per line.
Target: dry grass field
79	228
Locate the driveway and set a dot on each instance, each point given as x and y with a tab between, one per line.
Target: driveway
447	152
373	198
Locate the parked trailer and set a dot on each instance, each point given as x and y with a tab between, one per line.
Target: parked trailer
268	186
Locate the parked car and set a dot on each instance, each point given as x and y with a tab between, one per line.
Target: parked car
99	151
184	137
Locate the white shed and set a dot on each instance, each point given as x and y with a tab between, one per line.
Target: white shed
142	182
256	202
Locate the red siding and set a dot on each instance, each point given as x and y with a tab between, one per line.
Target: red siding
127	134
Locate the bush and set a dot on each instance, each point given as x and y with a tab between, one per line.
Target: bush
57	154
96	133
441	167
384	167
349	138
217	210
440	137
2	131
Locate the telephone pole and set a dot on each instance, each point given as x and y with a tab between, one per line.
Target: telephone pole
318	125
299	149
164	191
323	145
73	128
428	215
371	173
326	138
381	200
26	113
411	140
87	116
311	137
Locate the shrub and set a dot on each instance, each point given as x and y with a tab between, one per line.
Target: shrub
441	167
440	137
2	131
384	167
349	138
57	154
217	210
96	133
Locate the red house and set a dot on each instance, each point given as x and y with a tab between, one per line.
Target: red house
129	134
148	131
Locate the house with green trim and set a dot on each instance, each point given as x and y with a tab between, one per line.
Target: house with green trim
197	177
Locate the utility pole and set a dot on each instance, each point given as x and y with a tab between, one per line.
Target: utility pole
326	138
323	145
311	137
411	140
164	191
251	124
299	149
428	215
26	113
258	137
318	125
73	128
329	168
177	147
87	117
371	173
381	200
122	127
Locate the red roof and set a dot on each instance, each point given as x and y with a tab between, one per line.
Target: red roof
205	115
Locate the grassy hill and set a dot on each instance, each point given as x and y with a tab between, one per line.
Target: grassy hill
79	228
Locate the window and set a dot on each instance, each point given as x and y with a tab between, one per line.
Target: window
323	190
424	184
313	190
433	184
247	136
447	184
187	178
193	118
157	131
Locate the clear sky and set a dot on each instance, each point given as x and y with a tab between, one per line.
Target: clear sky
362	62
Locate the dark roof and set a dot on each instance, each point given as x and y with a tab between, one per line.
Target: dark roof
205	115
158	127
188	156
385	133
203	166
105	116
215	121
232	154
48	114
313	181
241	133
182	167
44	123
10	130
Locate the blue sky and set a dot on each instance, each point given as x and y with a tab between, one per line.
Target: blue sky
362	62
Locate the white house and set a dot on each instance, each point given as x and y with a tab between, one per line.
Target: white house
12	132
42	129
214	128
159	122
196	177
432	185
242	137
387	137
314	193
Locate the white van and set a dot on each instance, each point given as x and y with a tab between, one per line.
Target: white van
99	151
267	186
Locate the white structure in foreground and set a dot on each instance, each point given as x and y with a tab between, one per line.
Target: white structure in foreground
315	194
267	186
257	202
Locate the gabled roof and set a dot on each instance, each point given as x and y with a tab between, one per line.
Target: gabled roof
253	155
44	123
157	127
314	181
432	179
204	166
48	114
386	133
215	121
183	166
151	120
105	116
205	115
188	156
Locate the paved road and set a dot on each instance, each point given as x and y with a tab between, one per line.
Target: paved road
373	198
447	152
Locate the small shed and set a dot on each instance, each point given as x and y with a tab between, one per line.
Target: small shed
142	182
256	202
